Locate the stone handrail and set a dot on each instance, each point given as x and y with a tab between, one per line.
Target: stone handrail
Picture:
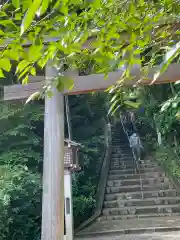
103	178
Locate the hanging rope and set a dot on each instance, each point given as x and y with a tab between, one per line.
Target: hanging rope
68	117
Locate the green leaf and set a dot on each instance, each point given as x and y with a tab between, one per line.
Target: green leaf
59	84
165	106
57	4
15	3
178	115
34	52
68	83
1	74
132	104
33	71
1	32
3	14
170	55
21	66
24	72
64	9
44	6
177	82
29	16
33	96
18	16
64	82
5	64
96	4
7	23
49	93
26	4
12	54
25	80
113	106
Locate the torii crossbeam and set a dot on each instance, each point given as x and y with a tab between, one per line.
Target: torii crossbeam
90	83
53	172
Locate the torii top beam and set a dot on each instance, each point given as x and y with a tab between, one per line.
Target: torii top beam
90	83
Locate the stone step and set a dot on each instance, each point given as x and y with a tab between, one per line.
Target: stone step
122	149
122	160
127	157
132	188
122	138
175	208
154	228
135	176
118	129
142	202
131	171
136	216
119	135
130	165
123	163
126	160
121	167
119	154
118	150
116	166
125	176
121	172
120	144
117	145
124	145
138	195
128	182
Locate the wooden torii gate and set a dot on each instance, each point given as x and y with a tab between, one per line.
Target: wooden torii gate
53	171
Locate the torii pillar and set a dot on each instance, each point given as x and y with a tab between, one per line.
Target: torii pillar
53	170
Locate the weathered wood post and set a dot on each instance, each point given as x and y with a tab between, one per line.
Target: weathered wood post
71	164
68	204
53	172
68	184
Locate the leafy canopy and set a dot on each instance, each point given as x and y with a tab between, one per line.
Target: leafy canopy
108	34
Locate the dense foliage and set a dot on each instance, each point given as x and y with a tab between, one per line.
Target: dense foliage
160	121
21	168
21	154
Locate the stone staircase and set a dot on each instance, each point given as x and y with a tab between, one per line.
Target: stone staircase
126	207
